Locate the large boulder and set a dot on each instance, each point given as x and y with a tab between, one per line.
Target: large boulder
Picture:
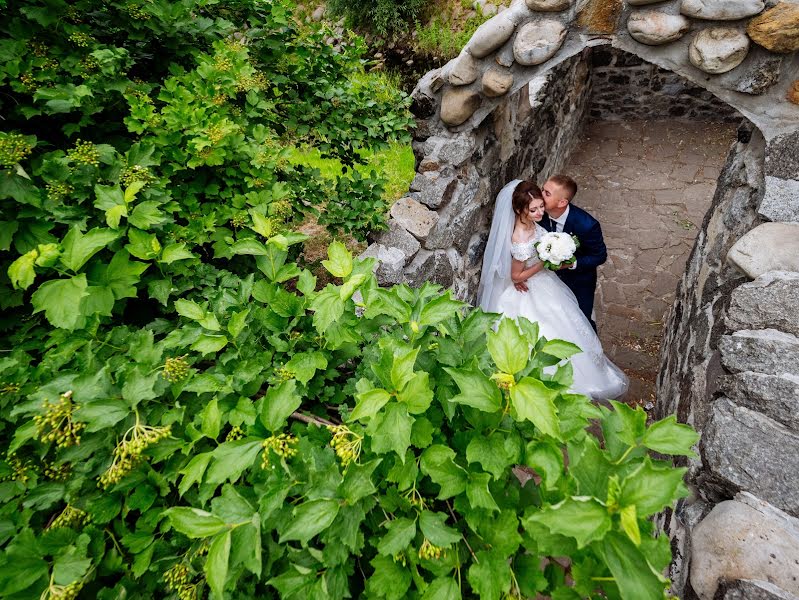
718	49
398	237
414	217
744	450
759	74
768	247
537	42
458	105
777	29
655	28
745	539
721	10
768	302
390	263
491	35
781	200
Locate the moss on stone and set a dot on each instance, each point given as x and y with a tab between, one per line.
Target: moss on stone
600	16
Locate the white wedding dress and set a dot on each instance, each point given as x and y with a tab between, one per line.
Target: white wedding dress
549	302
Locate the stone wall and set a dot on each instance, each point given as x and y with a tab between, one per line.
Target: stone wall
730	368
626	87
439	230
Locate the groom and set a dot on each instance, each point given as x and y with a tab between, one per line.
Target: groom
562	215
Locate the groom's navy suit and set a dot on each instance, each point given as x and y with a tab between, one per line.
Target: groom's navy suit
591	253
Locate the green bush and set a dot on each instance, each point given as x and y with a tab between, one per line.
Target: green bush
185	415
385	17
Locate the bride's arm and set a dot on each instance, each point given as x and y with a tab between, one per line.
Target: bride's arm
519	274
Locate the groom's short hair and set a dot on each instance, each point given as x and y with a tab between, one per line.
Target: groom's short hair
567	183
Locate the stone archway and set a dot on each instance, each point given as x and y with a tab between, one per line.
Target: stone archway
511	105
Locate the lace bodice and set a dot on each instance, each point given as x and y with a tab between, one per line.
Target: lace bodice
525	251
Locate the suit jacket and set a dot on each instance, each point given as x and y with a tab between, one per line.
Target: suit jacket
592	251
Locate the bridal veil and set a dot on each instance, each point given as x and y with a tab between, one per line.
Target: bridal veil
495	275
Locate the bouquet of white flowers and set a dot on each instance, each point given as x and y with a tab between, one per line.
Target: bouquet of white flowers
557	249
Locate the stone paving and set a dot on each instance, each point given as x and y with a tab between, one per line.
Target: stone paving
649	184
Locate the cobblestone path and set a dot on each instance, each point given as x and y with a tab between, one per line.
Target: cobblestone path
649	184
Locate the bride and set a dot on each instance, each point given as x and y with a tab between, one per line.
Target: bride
511	258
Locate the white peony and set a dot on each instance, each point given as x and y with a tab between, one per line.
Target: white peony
556	248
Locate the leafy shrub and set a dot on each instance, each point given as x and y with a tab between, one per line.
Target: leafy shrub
184	414
385	17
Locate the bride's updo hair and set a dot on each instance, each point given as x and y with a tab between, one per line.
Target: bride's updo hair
523	193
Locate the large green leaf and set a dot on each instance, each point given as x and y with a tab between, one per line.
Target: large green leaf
438	464
490	453
60	299
390	430
400	533
652	488
560	348
443	588
78	248
583	519
193	522
417	394
390	580
339	263
669	437
508	347
368	403
327	307
478	493
632	573
535	402
309	519
216	564
21	271
477	390
434	528
402	367
231	459
490	575
357	481
439	309
279	402
547	460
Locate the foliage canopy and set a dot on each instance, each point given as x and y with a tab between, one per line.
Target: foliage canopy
184	414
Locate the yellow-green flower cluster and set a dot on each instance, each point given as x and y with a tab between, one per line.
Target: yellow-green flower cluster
239	220
9	388
235	433
56	424
128	453
136	12
28	82
346	443
176	368
429	551
284	445
13	149
84	40
136	173
19	468
284	374
59	190
178	580
84	153
38	49
62	592
504	381
71	517
57	472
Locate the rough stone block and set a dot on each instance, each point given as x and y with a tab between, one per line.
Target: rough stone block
781	200
751	589
398	237
434	188
774	396
414	217
537	42
391	262
768	247
782	156
745	539
434	267
744	450
765	351
777	29
758	75
768	302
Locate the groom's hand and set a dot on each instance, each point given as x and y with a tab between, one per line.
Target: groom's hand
521	286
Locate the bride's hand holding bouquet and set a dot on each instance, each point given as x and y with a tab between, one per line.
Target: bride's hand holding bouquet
557	250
